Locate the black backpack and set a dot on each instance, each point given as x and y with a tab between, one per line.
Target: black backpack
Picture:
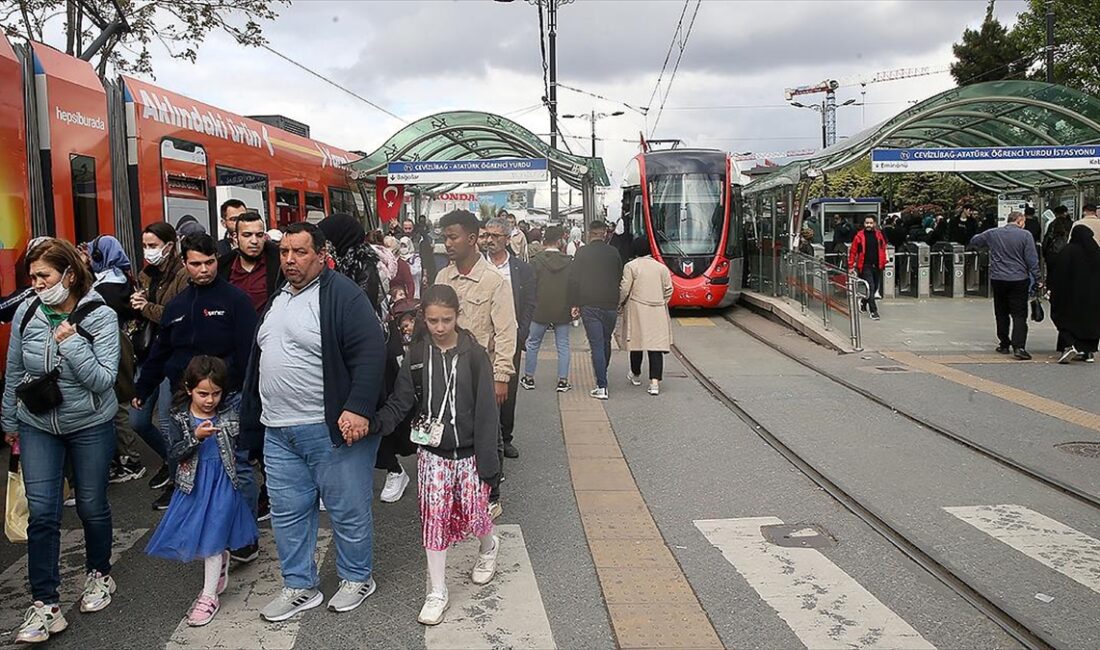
127	365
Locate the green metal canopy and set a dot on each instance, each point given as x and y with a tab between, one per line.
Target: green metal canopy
469	135
989	114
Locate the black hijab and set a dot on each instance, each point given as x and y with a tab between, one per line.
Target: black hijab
343	230
1083	236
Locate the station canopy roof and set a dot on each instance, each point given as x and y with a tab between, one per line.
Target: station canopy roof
989	114
472	135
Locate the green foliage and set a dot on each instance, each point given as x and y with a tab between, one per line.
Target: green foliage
902	190
988	53
1076	37
180	26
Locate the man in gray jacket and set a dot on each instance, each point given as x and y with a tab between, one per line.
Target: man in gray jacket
1013	273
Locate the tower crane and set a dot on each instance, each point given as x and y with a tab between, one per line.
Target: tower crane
828	106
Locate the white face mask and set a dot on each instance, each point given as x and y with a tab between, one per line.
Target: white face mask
56	294
154	256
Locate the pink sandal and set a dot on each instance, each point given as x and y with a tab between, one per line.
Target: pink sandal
203	611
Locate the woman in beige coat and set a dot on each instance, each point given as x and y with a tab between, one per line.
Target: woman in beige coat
643	297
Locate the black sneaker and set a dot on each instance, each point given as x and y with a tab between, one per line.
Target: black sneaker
510	450
875	316
117	474
564	386
527	383
1021	354
245	554
164	499
1003	349
161	479
263	508
863	306
1090	357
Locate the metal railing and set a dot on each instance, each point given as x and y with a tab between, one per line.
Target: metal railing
824	291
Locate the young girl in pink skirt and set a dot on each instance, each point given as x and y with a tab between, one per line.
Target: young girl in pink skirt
447	380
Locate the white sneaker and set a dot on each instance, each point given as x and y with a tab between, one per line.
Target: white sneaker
321	504
654	389
40	622
394	487
69	503
486	566
636	380
434	607
351	595
97	592
598	393
1068	355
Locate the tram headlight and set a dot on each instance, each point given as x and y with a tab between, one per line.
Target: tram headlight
722	268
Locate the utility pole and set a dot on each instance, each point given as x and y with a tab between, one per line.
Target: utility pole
593	118
552	13
1050	42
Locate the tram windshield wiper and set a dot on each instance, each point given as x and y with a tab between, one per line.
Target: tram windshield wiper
679	251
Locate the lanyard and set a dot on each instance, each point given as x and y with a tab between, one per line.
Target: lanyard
450	386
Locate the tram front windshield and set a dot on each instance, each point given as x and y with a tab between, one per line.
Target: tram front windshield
687	213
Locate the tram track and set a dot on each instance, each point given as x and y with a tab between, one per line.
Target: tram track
1028	471
1019	630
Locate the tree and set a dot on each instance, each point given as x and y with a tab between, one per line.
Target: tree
1076	38
180	26
988	53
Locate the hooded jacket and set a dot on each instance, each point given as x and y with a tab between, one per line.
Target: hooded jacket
472	426
88	369
552	270
858	251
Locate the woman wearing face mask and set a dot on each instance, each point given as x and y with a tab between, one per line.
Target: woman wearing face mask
59	403
159	282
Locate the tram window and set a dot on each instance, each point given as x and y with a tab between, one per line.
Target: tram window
315	201
342	201
85	208
733	236
638	226
287	208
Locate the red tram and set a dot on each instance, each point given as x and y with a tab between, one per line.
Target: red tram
687	203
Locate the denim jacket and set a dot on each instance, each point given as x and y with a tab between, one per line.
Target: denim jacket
182	445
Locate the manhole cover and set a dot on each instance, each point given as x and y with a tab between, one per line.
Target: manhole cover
1086	449
892	368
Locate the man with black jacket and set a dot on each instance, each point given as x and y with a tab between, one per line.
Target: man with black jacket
210	317
598	298
252	267
311	389
553	269
230	210
524	294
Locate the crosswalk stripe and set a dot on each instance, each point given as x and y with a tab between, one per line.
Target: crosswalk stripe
823	605
238	623
506	613
13	581
1050	542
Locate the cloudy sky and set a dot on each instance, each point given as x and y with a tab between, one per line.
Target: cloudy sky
420	57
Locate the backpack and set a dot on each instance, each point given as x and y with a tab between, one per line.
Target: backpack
127	365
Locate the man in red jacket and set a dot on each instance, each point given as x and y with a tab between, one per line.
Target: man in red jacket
867	258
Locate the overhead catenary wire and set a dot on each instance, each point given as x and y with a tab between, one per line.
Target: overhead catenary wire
668	55
675	68
642	110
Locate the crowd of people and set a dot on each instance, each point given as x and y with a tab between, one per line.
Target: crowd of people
269	371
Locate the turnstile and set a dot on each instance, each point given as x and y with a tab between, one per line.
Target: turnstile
947	277
911	270
976	272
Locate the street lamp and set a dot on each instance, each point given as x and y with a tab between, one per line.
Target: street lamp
824	109
592	117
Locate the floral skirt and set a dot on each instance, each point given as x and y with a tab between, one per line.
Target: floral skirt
454	502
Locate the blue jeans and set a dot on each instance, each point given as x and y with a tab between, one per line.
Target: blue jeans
89	452
154	435
534	342
599	325
302	464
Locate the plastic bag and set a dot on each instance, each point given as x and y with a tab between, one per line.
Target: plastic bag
16	513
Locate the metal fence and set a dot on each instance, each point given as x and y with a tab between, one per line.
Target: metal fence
824	291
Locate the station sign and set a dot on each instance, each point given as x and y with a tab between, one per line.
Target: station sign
986	159
432	172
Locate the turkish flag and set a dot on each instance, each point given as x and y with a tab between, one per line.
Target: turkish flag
388	198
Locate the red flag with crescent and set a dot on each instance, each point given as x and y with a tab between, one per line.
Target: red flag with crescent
388	198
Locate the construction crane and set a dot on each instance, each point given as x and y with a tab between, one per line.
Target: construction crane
828	106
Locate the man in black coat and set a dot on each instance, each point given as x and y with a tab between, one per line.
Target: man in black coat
252	267
524	295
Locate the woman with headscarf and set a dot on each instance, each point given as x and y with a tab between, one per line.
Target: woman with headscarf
402	285
188	225
576	241
352	256
114	282
1074	282
647	329
407	252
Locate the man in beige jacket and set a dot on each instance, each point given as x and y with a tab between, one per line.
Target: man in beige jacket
1090	220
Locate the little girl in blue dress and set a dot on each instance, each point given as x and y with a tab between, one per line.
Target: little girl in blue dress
208	513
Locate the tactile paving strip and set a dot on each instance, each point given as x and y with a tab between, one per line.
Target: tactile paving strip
649	600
